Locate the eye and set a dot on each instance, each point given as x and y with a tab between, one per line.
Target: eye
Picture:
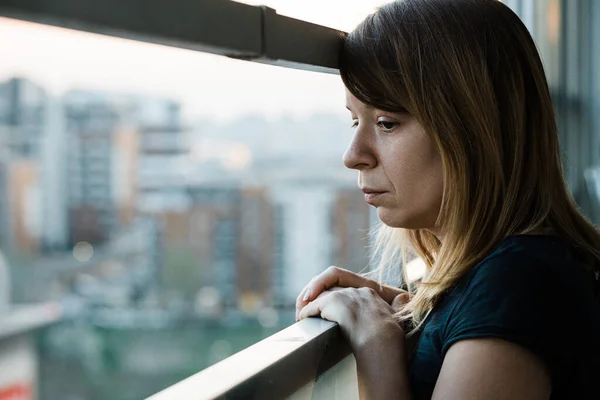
387	125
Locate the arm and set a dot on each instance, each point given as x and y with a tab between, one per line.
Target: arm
382	367
472	369
492	369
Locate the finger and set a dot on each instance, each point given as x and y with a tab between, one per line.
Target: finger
332	305
299	302
331	277
328	305
325	280
329	291
400	301
312	309
320	296
389	293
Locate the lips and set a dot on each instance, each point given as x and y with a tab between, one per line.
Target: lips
367	190
371	195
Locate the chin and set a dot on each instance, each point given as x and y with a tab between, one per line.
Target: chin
393	219
399	219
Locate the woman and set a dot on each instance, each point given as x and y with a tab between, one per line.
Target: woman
456	147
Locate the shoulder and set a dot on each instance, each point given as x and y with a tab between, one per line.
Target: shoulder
522	266
521	292
531	292
516	293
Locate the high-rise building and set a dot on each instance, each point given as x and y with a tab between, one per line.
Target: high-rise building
92	213
224	205
221	236
350	223
22	114
111	137
305	236
256	248
25	205
280	298
125	163
4	206
54	179
22	110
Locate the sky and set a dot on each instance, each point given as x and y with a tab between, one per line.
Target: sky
207	86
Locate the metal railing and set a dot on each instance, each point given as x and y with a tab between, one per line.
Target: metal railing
23	319
310	359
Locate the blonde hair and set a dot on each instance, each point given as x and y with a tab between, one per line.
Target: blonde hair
469	72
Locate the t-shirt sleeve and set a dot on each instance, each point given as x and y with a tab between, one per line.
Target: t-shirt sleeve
512	297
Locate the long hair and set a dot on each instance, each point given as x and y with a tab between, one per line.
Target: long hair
469	72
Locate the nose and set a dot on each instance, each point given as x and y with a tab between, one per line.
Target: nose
360	154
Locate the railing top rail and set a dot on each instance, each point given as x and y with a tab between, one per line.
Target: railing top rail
273	368
24	318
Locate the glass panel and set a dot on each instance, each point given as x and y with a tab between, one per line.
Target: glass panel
174	203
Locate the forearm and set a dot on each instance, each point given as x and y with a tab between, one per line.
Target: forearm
382	367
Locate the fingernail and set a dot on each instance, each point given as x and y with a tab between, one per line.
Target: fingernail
306	295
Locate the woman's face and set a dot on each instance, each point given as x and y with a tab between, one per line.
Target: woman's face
399	167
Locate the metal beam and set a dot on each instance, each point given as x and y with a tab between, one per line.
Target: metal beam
293	43
223	27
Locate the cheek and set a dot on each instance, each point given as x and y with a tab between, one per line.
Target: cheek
433	176
418	180
421	172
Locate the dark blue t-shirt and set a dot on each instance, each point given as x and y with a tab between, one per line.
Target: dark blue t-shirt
530	291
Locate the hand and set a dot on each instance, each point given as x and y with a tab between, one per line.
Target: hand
376	340
341	278
365	318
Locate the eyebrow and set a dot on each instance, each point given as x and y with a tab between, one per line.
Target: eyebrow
366	106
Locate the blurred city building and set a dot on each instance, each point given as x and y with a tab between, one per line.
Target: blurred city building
234	207
22	111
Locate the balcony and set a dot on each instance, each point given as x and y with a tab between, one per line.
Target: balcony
309	359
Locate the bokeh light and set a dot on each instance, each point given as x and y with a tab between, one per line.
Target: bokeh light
83	251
